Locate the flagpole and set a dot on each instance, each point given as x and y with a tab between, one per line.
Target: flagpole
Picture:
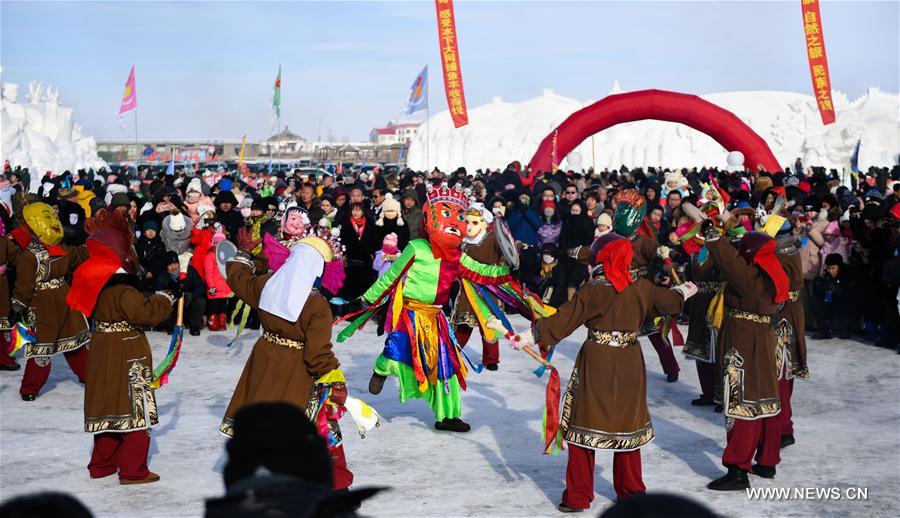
135	125
427	137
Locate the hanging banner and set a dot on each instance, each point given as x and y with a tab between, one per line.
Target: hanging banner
818	61
453	83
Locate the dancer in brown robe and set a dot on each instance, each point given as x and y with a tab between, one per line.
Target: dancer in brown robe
756	286
605	404
119	402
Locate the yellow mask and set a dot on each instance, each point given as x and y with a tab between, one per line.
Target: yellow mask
43	222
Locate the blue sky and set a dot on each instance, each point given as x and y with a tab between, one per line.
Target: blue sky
205	69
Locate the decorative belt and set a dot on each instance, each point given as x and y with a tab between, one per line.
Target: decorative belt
612	338
415	305
282	341
709	286
49	285
635	273
794	296
752	317
113	327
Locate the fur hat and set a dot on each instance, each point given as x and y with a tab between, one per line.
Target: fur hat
605	219
389	203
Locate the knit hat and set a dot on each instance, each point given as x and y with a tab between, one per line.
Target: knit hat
834	260
150	225
119	199
389	203
605	219
176	222
203	209
389	244
195	185
548	204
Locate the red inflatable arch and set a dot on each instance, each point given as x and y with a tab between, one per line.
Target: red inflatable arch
720	124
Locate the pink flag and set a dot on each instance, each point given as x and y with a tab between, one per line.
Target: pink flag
129	100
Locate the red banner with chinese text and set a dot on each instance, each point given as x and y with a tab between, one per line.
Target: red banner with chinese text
818	61
453	83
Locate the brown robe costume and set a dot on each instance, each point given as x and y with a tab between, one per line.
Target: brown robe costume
289	356
40	294
117	393
791	328
700	343
747	337
605	405
485	252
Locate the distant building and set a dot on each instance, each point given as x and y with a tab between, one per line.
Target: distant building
284	144
394	133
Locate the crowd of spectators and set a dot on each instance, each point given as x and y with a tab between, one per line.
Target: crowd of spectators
846	232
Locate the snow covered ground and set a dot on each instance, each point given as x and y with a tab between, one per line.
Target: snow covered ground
847	423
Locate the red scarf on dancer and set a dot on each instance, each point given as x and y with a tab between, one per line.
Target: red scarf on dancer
770	264
616	260
23	237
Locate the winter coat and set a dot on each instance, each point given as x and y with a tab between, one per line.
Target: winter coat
176	241
379	264
524	224
549	233
809	250
412	219
576	231
232	220
359	253
214	280
150	252
390	225
201	241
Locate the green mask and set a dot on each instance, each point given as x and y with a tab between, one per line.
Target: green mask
627	219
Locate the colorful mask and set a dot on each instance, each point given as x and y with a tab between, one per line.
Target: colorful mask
632	207
475	225
43	222
292	222
445	217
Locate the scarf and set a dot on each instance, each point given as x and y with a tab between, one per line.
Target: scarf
616	260
766	260
359	225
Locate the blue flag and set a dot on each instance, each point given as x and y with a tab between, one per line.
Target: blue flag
170	171
270	166
854	159
418	93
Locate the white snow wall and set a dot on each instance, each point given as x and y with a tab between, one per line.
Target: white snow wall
500	132
42	135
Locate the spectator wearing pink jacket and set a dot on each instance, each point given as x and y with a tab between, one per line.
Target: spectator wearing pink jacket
217	291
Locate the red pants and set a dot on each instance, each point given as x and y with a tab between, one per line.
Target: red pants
123	452
5	359
785	390
579	491
36	376
706	373
761	437
666	355
343	477
490	350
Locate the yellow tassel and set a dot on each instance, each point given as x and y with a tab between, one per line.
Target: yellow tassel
333	376
397	307
715	314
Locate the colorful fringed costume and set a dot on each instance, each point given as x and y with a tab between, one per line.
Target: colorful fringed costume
421	350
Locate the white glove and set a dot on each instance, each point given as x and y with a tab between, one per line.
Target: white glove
523	339
687	289
663	252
